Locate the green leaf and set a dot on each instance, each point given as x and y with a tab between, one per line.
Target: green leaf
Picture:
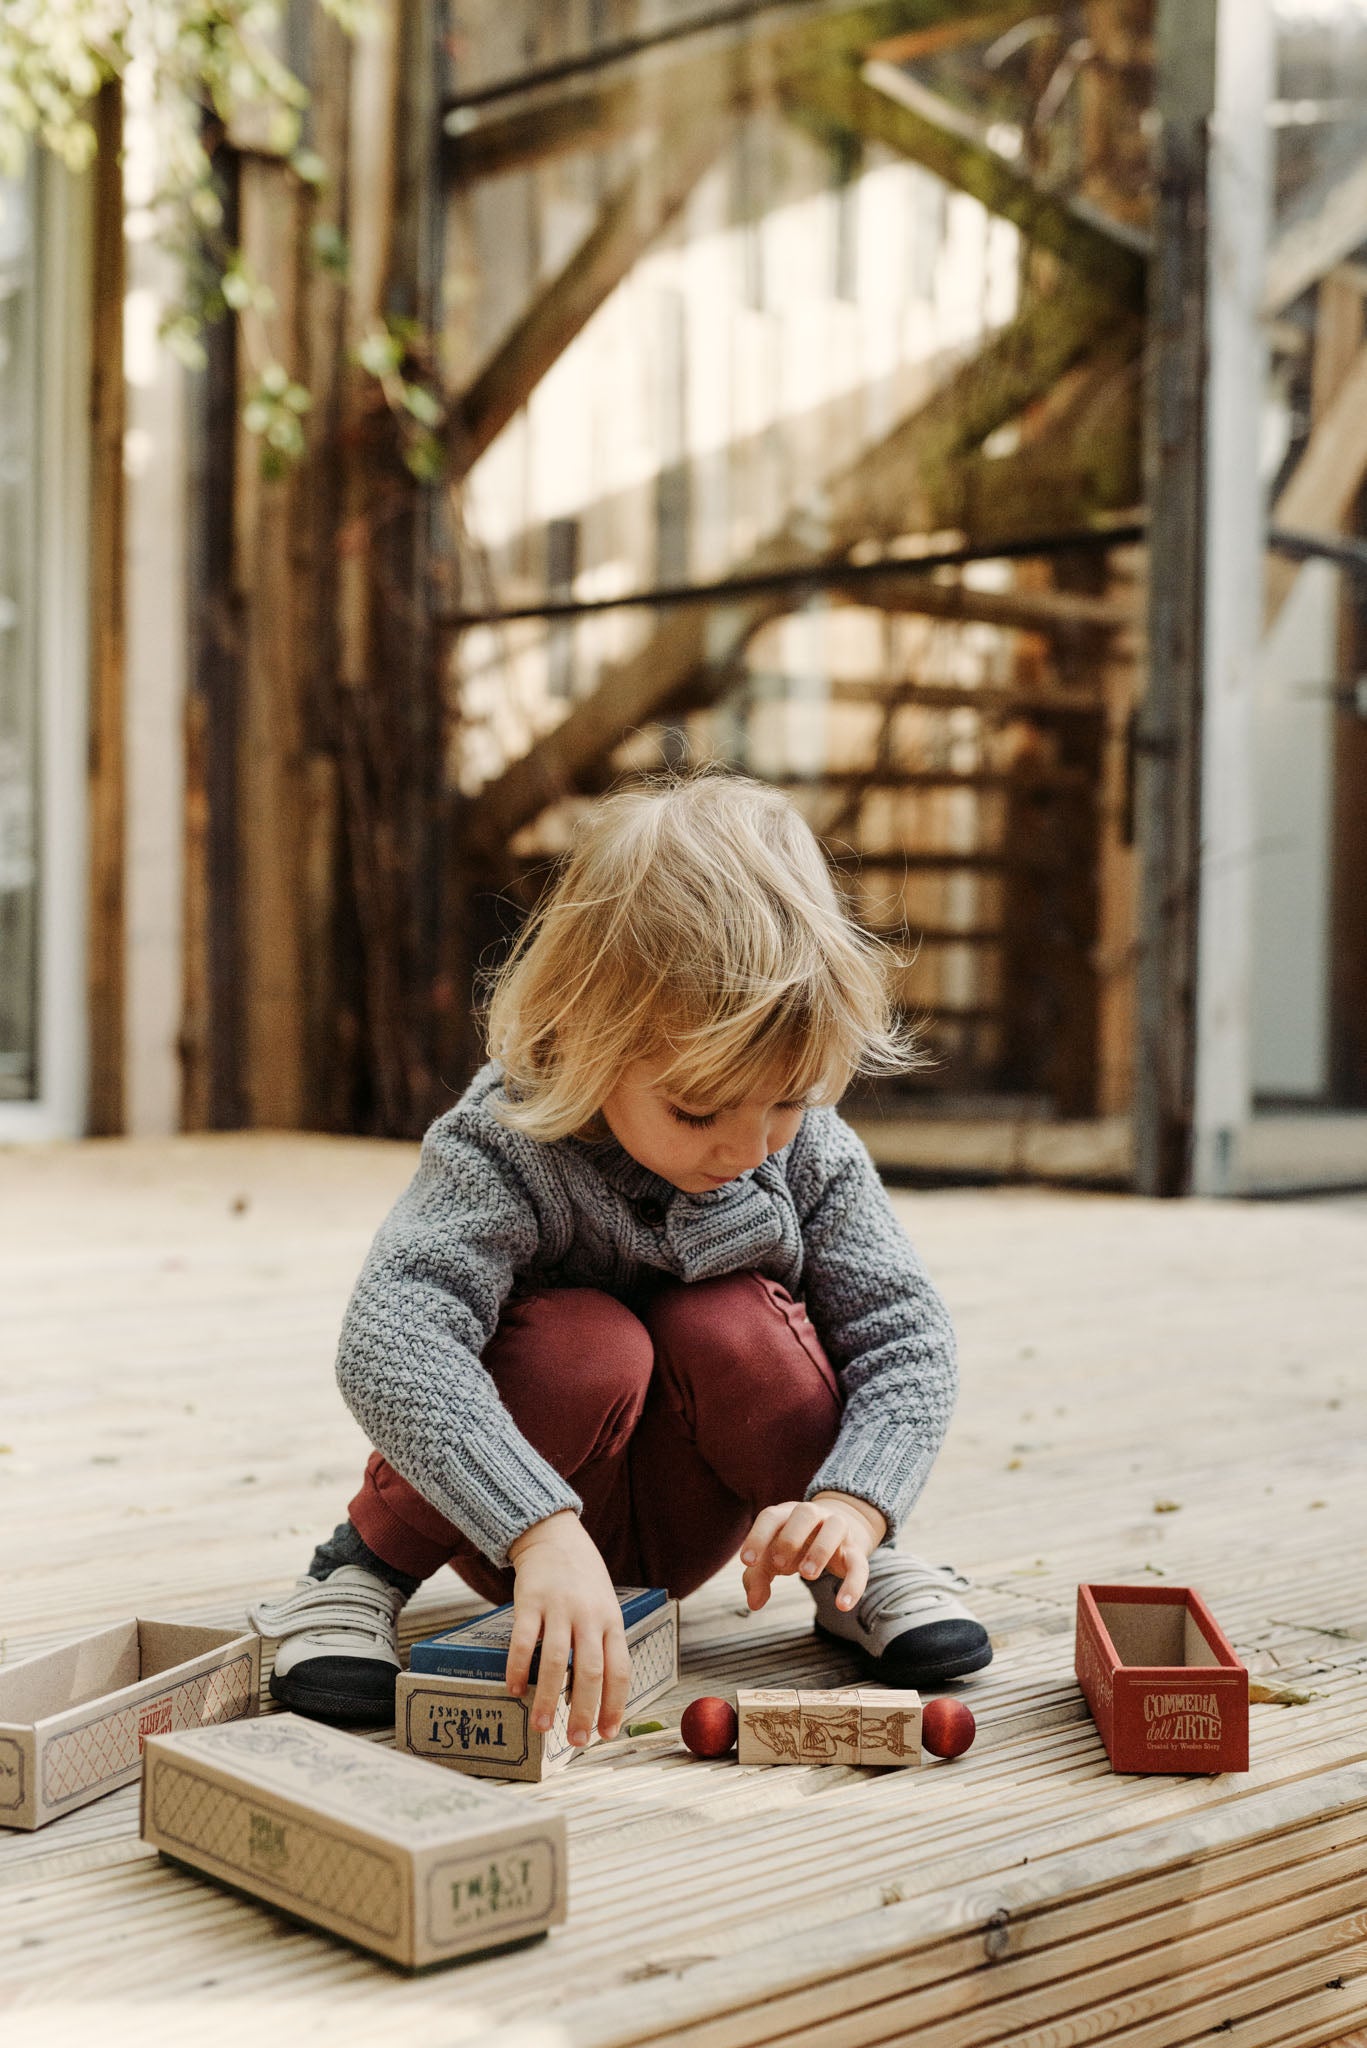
275	378
423	406
330	248
379	353
308	165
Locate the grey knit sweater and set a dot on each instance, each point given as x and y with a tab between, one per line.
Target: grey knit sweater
490	1208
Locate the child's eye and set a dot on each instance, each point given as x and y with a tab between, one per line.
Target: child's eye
697	1123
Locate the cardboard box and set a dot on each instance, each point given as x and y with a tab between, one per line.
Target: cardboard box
475	1724
478	1648
416	1866
73	1721
1165	1688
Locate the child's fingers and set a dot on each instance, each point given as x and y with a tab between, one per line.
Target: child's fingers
823	1548
521	1647
757	1580
789	1544
855	1565
616	1681
588	1684
555	1657
764	1528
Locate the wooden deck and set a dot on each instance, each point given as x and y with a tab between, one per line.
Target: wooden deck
1148	1390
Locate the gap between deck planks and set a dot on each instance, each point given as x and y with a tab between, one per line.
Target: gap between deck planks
173	1444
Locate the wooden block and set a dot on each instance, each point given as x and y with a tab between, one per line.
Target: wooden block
889	1727
829	1732
770	1726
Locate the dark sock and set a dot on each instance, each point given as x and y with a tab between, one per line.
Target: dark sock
347	1546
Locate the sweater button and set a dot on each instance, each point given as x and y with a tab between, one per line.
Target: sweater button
651	1210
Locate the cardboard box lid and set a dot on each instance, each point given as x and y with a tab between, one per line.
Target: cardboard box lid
372	1790
103	1666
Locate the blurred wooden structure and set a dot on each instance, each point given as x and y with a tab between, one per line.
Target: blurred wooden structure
718	310
352	810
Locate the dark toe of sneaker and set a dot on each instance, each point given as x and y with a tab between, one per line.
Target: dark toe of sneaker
936	1651
356	1690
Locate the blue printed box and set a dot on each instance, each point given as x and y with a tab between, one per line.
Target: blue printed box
473	1723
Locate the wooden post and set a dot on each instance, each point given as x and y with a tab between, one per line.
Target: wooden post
1167	729
1194	734
1239	181
105	949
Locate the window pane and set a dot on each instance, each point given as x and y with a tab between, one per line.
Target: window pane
18	683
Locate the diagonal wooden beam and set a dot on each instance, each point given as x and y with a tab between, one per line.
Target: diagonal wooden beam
879	103
587	103
1309	248
1321	490
693	655
630	220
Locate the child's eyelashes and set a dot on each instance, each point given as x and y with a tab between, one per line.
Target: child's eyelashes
700	1122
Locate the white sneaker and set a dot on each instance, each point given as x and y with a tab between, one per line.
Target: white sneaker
338	1652
909	1622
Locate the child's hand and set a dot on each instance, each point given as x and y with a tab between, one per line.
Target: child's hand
830	1532
564	1596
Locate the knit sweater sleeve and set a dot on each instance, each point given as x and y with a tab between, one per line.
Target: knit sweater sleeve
885	1329
425	1305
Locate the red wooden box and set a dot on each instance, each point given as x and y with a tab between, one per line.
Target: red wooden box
1164	1685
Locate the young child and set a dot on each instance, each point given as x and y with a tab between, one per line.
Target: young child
645	1302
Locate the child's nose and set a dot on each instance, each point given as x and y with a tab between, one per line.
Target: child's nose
749	1151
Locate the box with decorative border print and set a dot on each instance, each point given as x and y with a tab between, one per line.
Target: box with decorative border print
1166	1690
73	1721
410	1863
475	1724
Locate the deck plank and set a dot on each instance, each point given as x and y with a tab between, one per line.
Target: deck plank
1150	1390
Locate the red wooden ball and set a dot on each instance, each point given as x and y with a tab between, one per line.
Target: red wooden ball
709	1726
947	1727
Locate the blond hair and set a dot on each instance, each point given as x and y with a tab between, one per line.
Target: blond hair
693	920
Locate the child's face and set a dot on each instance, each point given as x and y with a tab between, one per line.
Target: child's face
692	1144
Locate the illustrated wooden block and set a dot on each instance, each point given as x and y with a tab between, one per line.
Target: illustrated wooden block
889	1727
829	1727
770	1726
865	1725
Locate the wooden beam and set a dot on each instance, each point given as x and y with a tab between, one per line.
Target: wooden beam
975	26
909	482
1168	721
882	104
105	753
1060	614
585	103
1310	248
1320	492
1083	462
631	219
694	655
987	699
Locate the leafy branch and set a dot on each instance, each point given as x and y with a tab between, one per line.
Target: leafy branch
178	62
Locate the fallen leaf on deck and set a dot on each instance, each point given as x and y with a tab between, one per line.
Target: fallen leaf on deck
1280	1696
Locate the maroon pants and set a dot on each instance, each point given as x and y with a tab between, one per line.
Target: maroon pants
675	1427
